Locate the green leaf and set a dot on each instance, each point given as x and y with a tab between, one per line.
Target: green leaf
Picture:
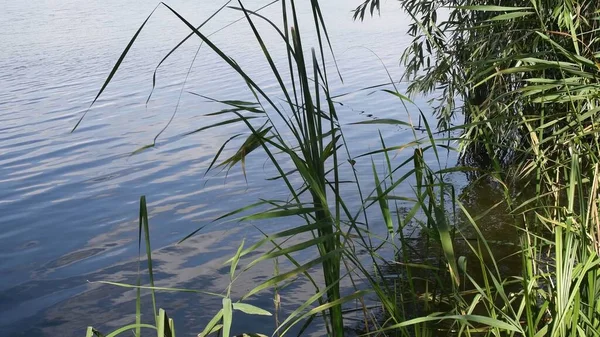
227	317
286	233
383	205
278	214
130	327
91	332
229	121
441	224
399	95
294	272
314	242
494	8
250	309
183	290
235	261
212	326
115	67
492	322
510	16
388	121
163	327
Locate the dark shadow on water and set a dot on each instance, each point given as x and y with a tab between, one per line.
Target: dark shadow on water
484	200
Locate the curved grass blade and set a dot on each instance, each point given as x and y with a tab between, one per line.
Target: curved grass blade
116	67
130	327
387	121
293	273
179	45
250	309
182	290
212	325
291	249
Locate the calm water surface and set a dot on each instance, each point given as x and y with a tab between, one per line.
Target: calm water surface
68	201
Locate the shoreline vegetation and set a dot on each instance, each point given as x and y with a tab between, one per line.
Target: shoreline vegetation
524	74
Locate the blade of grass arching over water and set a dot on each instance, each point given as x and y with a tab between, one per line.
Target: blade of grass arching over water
226	122
218	154
291	249
179	45
326	306
388	121
129	328
251	84
178	290
293	261
293	273
283	234
227	59
293	319
178	99
397	148
495	323
278	214
115	67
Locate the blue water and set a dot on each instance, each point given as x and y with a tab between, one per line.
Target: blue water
69	201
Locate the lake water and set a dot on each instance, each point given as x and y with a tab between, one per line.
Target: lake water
69	201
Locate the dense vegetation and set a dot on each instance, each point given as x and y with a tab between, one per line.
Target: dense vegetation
524	75
499	62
